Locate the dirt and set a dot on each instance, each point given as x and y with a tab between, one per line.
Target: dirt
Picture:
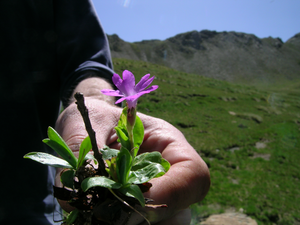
230	218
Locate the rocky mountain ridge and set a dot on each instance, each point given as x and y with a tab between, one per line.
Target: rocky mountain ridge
231	56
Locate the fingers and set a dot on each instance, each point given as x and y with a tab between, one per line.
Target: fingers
187	181
103	118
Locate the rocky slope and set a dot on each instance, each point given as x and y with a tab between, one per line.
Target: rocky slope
230	56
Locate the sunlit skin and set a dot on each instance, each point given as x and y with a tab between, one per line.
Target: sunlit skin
185	183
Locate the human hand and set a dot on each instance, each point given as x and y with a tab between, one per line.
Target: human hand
185	183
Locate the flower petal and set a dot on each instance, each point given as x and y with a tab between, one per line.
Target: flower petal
148	90
117	80
128	83
147	83
136	96
128	90
111	92
140	84
120	100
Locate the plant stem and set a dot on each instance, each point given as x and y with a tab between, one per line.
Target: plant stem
92	134
131	115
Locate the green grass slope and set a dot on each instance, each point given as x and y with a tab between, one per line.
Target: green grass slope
248	136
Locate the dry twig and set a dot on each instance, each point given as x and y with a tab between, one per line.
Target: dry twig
92	134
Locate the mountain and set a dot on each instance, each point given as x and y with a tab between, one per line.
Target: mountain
230	56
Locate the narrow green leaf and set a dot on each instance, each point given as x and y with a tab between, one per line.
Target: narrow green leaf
48	159
108	153
138	134
72	217
146	173
99	181
67	178
135	192
123	162
56	142
54	136
122	123
123	138
85	147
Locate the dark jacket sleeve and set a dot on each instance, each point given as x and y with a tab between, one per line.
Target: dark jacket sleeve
82	45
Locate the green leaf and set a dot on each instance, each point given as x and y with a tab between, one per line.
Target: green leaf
123	138
122	123
146	173
108	153
56	142
72	217
147	166
138	134
99	181
48	159
166	165
112	168
85	147
135	192
67	178
147	158
123	162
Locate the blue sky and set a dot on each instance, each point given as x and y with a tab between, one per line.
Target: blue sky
137	20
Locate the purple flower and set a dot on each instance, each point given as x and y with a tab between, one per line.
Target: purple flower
128	90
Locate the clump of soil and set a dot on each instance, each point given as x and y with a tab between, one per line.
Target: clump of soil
96	206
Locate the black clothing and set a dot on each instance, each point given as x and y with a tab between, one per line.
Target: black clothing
46	48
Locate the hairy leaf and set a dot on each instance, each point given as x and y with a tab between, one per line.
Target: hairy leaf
72	217
56	142
123	161
146	173
123	138
108	153
138	134
135	192
147	158
67	178
99	181
85	147
48	159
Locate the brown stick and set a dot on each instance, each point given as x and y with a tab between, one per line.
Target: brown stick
92	134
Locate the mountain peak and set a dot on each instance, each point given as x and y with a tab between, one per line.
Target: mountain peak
231	56
295	40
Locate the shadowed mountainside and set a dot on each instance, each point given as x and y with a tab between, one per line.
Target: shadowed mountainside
230	56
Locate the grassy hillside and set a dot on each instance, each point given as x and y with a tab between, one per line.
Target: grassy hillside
230	56
248	136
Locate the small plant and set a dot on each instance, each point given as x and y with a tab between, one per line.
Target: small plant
116	181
